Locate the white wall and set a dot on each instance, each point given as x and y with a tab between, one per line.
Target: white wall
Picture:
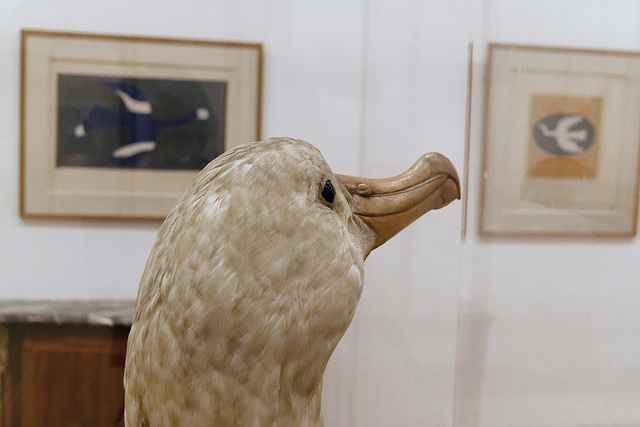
547	329
448	332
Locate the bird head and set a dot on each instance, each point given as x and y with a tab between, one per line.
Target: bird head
256	273
280	188
292	232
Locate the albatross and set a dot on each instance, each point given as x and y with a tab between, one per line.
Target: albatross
253	279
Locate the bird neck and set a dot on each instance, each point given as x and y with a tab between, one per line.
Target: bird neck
277	395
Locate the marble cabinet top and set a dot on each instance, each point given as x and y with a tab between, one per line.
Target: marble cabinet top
74	312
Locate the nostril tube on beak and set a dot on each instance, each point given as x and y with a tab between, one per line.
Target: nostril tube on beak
363	189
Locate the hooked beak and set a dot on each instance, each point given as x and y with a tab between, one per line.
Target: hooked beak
388	205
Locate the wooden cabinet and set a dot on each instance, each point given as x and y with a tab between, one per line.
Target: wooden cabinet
60	374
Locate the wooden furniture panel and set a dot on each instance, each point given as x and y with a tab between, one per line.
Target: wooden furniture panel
62	363
86	369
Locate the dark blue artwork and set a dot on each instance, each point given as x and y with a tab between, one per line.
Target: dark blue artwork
139	123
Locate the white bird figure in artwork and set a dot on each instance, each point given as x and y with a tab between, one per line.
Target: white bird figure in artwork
254	278
567	140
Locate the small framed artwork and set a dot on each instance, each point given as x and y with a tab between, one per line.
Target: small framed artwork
561	142
116	127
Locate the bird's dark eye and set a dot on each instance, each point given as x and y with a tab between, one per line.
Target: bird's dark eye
328	192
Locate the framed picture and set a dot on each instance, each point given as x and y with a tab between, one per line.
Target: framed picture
561	138
116	127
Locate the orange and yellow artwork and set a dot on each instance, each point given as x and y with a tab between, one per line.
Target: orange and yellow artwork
563	140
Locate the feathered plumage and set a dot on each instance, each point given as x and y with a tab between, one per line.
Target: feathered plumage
253	279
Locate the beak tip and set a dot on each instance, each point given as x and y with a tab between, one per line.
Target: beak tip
449	191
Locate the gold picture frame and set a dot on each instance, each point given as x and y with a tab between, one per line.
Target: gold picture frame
115	127
561	142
